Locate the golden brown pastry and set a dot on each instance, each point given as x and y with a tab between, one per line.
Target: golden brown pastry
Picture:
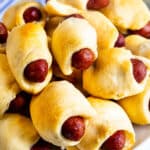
124	14
138	45
22	12
8	85
64	7
127	14
17	133
111	122
116	74
57	110
138	106
70	37
103	27
29	58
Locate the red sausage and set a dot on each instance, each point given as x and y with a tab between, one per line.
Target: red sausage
20	104
83	59
115	142
36	71
75	16
145	31
43	145
32	14
97	4
3	33
139	70
73	128
120	41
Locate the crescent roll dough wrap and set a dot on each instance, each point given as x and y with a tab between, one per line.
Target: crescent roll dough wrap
30	45
59	101
13	16
138	45
127	14
64	7
8	85
112	75
109	119
138	106
69	37
17	133
103	34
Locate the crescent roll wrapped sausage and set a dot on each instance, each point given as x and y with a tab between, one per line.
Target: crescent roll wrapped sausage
23	12
138	106
104	40
17	133
72	46
138	45
110	129
116	74
8	85
29	58
60	113
127	14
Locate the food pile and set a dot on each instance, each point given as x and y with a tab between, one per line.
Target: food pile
74	75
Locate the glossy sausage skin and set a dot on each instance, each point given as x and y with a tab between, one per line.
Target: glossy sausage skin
32	14
83	59
97	4
20	104
145	31
120	41
36	71
115	142
139	70
73	128
3	33
43	145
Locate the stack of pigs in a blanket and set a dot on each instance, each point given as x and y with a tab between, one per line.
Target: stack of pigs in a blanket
74	74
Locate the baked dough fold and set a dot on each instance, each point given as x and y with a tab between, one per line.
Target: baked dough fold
137	106
112	75
26	44
107	33
70	36
59	101
65	7
8	85
127	14
138	45
109	119
17	133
